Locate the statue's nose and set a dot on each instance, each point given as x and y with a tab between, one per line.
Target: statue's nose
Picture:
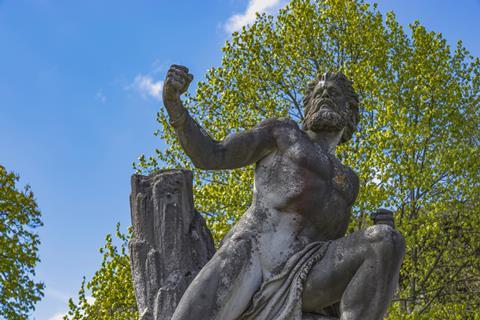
325	94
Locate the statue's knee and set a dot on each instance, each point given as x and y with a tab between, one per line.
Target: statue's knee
386	240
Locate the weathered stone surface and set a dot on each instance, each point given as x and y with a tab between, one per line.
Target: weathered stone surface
289	257
170	242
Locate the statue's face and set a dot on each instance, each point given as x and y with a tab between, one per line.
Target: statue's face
328	108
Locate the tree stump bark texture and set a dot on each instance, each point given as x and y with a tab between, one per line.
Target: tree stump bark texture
170	242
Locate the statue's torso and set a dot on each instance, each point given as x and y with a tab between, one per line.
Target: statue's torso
302	194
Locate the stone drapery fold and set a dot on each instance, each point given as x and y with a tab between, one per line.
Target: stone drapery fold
280	297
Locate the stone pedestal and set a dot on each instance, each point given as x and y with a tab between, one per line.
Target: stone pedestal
170	242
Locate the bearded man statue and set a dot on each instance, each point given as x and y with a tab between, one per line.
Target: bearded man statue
288	257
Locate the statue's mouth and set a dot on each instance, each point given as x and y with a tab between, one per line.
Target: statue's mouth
325	105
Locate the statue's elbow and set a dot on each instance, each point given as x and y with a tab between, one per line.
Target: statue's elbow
209	159
204	164
199	164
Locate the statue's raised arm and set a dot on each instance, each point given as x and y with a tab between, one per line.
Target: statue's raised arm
237	150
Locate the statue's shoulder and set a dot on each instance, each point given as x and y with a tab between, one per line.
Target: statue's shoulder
280	124
285	131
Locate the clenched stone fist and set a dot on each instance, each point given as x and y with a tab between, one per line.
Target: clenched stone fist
176	83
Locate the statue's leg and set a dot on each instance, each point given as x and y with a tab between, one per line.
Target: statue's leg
359	270
224	287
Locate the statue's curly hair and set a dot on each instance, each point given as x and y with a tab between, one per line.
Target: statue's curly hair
353	114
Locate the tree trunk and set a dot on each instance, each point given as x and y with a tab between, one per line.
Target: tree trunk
170	242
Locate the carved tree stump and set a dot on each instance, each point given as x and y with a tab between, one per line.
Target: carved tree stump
170	242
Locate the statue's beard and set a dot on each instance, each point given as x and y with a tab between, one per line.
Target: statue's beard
323	117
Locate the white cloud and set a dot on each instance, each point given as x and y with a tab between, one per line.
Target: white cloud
237	21
57	316
100	96
147	87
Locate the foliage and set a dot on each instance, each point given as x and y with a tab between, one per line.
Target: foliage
416	150
19	217
111	288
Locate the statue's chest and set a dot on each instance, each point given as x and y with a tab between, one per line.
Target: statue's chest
343	180
326	170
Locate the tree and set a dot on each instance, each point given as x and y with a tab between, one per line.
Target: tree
415	151
111	288
19	217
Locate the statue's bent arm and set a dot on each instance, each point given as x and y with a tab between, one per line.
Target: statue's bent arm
235	151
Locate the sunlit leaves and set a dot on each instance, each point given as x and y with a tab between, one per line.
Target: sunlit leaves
19	217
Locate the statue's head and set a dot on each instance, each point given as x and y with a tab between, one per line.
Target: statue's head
331	104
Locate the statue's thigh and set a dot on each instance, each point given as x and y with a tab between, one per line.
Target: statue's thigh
329	277
224	287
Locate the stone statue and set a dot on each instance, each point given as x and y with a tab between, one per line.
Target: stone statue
288	257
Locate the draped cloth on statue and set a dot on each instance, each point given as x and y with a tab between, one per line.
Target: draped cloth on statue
280	297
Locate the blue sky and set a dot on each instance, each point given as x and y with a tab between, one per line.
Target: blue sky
80	83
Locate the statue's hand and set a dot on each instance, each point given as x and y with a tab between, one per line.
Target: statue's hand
176	83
